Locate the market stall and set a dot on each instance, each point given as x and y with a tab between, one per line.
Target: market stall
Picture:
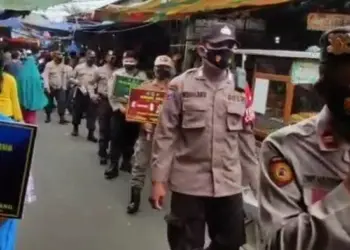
283	87
160	10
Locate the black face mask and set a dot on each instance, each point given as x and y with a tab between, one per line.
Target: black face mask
221	58
90	61
338	102
162	74
130	67
58	60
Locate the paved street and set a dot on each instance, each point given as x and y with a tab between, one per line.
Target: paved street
77	209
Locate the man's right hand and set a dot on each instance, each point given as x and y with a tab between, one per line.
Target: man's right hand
148	127
158	195
122	109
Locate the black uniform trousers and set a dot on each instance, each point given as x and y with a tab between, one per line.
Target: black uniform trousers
105	114
83	105
60	96
123	138
190	214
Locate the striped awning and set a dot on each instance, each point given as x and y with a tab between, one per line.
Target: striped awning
29	4
157	10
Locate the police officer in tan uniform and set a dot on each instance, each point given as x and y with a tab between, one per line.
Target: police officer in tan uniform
99	87
84	101
305	177
202	147
55	86
124	134
163	71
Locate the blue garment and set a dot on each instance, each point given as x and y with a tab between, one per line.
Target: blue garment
8	230
30	86
13	68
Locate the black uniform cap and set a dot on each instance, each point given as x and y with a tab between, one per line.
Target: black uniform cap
335	45
130	54
219	32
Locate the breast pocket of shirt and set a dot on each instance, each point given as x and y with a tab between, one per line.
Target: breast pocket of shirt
234	119
194	114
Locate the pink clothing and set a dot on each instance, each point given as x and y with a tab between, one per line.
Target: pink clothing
29	116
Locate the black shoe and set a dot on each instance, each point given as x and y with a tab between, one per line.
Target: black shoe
135	200
112	172
103	161
91	137
75	131
63	121
126	167
48	119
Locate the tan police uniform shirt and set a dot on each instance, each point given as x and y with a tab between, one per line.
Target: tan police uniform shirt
54	76
201	145
113	100
83	75
99	84
303	202
68	73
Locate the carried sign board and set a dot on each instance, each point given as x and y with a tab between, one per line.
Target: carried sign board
325	21
144	105
16	151
305	72
123	85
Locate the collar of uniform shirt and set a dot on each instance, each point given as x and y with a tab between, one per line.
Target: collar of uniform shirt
326	139
200	75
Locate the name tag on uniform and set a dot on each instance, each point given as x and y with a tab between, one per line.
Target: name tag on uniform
236	97
194	94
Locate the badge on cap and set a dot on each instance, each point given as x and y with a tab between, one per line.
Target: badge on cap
226	31
280	172
339	43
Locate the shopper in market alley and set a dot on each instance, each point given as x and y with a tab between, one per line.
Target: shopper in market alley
124	134
55	87
84	103
202	146
163	70
31	92
304	179
99	92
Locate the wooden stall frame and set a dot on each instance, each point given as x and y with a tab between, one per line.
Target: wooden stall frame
287	110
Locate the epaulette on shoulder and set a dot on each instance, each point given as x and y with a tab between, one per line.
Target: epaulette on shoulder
192	70
240	90
303	128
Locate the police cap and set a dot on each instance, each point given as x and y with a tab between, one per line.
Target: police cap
219	32
335	44
164	60
129	54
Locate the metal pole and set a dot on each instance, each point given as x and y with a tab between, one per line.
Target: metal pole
190	29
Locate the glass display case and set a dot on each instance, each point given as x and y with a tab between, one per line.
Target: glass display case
282	83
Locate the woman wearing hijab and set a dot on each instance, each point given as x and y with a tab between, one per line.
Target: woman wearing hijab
30	90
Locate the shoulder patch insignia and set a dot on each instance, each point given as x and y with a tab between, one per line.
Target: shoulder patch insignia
280	172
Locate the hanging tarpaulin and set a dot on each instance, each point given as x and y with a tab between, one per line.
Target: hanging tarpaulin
157	10
29	4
